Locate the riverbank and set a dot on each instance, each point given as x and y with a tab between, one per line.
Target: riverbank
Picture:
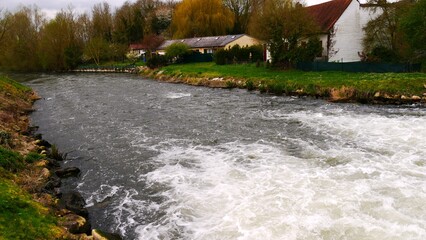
31	204
372	88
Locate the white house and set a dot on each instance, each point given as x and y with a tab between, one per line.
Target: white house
138	49
342	23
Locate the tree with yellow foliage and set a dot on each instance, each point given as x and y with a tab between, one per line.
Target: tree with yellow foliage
199	18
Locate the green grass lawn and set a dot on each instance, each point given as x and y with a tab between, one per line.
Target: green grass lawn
310	82
21	217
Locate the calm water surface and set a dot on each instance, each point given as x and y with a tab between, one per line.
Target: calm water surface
165	161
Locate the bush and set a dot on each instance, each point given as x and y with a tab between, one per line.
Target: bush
256	53
276	88
157	61
230	84
238	54
10	160
176	51
220	57
308	52
262	88
250	85
383	54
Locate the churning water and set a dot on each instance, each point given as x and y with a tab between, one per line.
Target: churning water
165	161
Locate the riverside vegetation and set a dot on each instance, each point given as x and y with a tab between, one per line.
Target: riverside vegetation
31	204
392	88
21	217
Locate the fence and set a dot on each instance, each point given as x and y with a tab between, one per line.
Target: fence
358	67
113	69
191	58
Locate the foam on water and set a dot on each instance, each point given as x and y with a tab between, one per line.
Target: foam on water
366	182
175	95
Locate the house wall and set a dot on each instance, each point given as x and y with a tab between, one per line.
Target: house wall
349	33
244	41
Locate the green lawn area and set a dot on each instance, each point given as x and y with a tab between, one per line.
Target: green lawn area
311	82
21	217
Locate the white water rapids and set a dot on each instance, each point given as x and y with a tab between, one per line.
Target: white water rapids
181	162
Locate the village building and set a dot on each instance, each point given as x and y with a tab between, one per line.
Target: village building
341	23
211	44
138	49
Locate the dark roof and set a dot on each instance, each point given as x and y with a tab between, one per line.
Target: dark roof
326	14
203	42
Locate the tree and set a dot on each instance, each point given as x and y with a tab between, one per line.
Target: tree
199	18
128	24
242	11
97	49
4	24
383	39
161	19
413	26
282	23
60	47
102	21
19	47
152	42
132	22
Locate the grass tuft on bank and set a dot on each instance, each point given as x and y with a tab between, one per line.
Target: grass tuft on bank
310	83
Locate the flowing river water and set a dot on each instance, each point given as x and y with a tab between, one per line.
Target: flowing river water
167	161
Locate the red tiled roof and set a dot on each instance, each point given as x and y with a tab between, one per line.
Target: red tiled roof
137	46
326	14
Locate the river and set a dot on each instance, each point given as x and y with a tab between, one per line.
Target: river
168	161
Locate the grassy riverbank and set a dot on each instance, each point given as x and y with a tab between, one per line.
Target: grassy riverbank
21	217
335	86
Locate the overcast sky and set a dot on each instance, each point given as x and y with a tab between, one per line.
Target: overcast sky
51	7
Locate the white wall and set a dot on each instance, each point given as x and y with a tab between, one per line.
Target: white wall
349	33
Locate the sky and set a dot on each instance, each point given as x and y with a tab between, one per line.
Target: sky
51	7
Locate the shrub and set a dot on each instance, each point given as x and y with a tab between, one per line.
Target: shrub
256	53
262	88
308	52
231	84
238	54
276	88
220	57
176	51
250	85
10	160
157	61
383	54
